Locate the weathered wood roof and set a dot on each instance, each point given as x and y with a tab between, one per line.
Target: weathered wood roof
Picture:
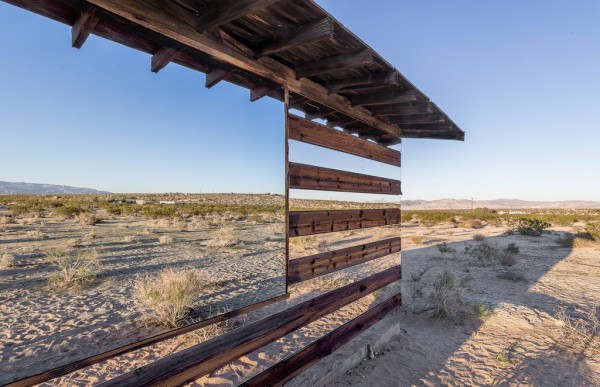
265	45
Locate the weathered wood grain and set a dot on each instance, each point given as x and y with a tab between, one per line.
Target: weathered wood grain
305	268
304	130
224	11
292	366
201	359
83	27
305	34
163	57
334	63
303	223
310	177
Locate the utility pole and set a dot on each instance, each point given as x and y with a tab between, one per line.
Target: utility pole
471	204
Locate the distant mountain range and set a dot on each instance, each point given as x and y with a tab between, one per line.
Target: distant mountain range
8	188
459	204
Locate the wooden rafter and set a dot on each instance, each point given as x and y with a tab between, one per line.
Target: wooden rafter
83	27
387	98
418	119
335	63
259	92
305	34
407	110
224	11
163	57
215	76
383	79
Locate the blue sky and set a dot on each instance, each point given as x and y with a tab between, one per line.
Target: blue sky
521	77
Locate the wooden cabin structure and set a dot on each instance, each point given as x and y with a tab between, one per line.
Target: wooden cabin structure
296	52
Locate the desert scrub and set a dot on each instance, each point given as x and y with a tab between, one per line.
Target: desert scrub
74	270
165	239
166	298
482	311
416	240
7	261
512	248
531	227
224	237
447	298
593	229
581	332
68	211
512	275
484	254
444	248
88	219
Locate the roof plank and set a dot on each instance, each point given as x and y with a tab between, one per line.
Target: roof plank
305	34
334	63
224	11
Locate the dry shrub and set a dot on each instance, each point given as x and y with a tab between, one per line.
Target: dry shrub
72	243
581	332
166	298
330	282
224	237
7	261
508	258
88	219
307	243
75	270
444	248
593	229
417	240
181	225
447	299
6	220
479	237
165	239
531	227
512	275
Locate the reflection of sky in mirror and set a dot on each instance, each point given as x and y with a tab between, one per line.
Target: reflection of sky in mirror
95	117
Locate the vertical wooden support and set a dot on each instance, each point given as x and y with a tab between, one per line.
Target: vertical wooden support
286	107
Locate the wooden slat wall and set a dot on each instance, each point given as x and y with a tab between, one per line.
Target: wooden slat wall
319	222
201	359
302	269
302	176
71	367
287	369
310	132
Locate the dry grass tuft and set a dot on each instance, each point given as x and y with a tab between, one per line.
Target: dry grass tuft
224	237
165	239
330	282
129	238
417	240
74	270
88	219
447	299
479	237
6	220
581	332
7	261
512	275
166	298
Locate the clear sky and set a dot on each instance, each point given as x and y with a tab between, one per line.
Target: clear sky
521	77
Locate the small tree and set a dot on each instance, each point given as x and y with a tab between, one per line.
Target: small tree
532	227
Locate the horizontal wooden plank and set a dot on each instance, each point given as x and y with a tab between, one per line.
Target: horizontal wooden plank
305	268
319	222
72	367
303	176
303	130
201	359
292	366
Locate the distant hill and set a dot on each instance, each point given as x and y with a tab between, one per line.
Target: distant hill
460	204
8	188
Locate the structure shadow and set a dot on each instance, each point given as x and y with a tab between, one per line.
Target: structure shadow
539	366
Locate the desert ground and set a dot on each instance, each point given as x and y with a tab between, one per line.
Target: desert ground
482	304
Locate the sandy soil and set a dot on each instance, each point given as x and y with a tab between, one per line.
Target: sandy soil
521	343
42	328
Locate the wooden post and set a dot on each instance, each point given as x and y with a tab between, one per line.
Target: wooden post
286	108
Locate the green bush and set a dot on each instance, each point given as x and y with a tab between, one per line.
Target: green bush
531	227
594	230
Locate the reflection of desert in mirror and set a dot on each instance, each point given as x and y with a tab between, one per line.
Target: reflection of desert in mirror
87	273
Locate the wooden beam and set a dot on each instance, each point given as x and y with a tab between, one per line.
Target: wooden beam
282	372
179	30
201	359
434	126
259	92
418	119
334	63
163	57
310	177
312	133
305	34
83	27
383	79
387	98
319	222
215	76
223	11
72	367
403	110
305	268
